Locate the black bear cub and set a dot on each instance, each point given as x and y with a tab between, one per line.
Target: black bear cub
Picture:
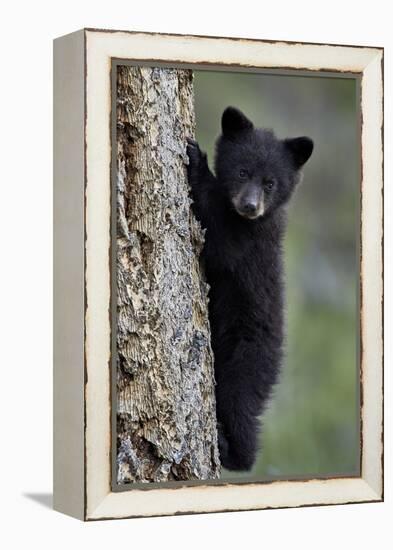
242	208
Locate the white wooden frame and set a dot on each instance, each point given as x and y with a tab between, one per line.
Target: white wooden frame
82	417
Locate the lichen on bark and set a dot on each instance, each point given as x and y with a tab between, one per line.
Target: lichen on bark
166	421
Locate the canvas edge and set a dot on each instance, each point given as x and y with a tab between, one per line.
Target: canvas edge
248	497
372	274
69	279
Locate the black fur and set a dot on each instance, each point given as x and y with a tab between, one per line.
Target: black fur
243	263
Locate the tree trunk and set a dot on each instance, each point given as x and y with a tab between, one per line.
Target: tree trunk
166	420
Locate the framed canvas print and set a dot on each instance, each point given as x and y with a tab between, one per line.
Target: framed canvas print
218	274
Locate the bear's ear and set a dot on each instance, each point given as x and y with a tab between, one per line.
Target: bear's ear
300	149
233	121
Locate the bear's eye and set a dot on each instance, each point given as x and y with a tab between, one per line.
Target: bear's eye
243	173
269	184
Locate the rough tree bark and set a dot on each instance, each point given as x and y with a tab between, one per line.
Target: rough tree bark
166	421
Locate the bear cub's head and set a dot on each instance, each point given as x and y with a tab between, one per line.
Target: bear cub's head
257	171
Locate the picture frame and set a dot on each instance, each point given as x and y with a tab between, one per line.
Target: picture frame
83	438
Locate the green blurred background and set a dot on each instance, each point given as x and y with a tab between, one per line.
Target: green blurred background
311	426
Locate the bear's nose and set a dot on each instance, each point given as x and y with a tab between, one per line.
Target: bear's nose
250	208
